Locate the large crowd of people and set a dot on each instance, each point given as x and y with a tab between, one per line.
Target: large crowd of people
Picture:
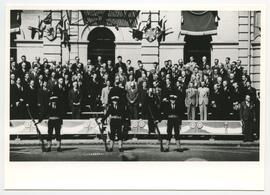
205	92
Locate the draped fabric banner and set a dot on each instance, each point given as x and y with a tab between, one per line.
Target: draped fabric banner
199	23
77	127
15	20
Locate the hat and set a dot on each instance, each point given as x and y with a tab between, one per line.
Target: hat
115	98
53	98
172	97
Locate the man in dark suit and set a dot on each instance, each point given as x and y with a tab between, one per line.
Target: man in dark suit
27	64
60	92
19	95
226	104
166	69
120	64
76	65
236	99
216	101
181	95
152	113
248	118
43	100
173	113
251	91
31	98
140	71
257	112
75	99
202	66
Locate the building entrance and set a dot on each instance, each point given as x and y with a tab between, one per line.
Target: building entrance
197	46
101	43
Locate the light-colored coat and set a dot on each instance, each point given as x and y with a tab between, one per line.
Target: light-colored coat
191	97
203	95
104	95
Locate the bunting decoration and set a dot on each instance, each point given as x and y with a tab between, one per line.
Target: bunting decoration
158	32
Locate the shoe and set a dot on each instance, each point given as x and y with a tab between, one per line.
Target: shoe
59	149
179	150
166	150
48	149
109	150
161	149
121	150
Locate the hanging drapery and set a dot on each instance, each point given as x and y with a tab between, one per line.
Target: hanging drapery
15	21
118	18
198	23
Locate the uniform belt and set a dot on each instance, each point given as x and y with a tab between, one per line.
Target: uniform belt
54	117
116	117
173	116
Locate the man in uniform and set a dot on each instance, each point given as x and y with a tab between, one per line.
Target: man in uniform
173	112
54	123
116	112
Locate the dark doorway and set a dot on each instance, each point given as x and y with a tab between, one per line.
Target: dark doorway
197	46
101	43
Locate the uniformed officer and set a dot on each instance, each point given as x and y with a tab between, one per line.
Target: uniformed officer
54	123
116	112
173	112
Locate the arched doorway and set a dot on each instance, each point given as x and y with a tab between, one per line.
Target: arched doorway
197	46
101	43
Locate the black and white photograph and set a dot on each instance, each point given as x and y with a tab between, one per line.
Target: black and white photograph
134	97
134	85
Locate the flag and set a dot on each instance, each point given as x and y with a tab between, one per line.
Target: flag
15	21
199	23
136	34
48	19
148	23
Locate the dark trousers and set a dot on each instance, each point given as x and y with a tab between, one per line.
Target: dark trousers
236	115
133	111
116	128
76	112
248	129
151	126
216	114
54	124
173	124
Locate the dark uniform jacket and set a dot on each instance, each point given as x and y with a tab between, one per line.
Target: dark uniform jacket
169	112
119	112
118	91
